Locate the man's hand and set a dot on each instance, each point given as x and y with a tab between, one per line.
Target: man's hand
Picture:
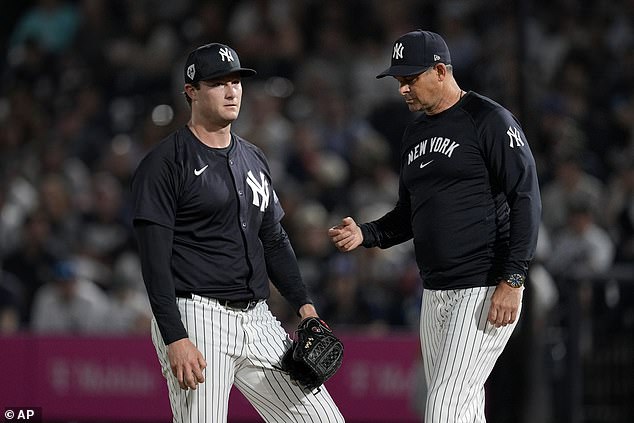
315	355
187	363
347	236
505	304
307	310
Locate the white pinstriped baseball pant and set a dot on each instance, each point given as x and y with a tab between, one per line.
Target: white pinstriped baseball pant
459	349
241	348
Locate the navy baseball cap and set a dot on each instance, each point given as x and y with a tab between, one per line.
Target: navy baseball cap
212	61
416	51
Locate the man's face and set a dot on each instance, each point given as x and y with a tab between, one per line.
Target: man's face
420	92
218	100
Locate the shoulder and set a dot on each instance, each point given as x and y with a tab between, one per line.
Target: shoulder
483	110
168	147
247	146
248	149
167	152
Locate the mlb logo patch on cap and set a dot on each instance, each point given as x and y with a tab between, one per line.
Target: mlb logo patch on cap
191	71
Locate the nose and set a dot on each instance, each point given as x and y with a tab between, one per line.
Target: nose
403	88
231	90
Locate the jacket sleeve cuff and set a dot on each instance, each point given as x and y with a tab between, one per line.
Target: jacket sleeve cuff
369	240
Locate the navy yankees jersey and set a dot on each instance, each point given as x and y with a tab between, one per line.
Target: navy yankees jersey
216	201
468	196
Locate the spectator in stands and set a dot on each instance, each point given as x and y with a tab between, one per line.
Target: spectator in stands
582	251
11	303
129	307
56	199
49	23
30	260
69	304
619	210
583	248
570	182
345	303
104	234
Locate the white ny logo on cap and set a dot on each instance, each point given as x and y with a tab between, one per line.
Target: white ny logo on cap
398	51
226	53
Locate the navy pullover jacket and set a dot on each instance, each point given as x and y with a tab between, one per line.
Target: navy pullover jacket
468	196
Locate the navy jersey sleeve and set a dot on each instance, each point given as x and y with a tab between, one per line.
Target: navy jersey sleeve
155	247
154	197
154	188
282	267
512	169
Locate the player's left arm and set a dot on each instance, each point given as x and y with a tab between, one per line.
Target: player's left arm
512	168
281	261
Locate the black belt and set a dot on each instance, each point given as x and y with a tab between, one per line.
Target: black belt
242	305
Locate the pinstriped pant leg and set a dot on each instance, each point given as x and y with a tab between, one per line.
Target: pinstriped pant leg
214	332
176	402
460	349
270	391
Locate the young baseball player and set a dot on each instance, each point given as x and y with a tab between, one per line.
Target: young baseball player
469	198
208	226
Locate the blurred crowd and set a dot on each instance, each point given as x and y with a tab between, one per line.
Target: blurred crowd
87	87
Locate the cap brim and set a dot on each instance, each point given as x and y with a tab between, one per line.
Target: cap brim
244	72
403	70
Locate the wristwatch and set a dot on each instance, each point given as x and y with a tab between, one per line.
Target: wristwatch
515	280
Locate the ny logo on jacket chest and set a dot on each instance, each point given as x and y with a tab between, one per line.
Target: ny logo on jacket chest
260	189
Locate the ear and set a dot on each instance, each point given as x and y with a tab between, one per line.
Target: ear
191	91
441	71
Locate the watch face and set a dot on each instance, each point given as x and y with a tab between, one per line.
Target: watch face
515	280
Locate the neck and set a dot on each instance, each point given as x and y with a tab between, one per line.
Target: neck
452	96
215	137
460	94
